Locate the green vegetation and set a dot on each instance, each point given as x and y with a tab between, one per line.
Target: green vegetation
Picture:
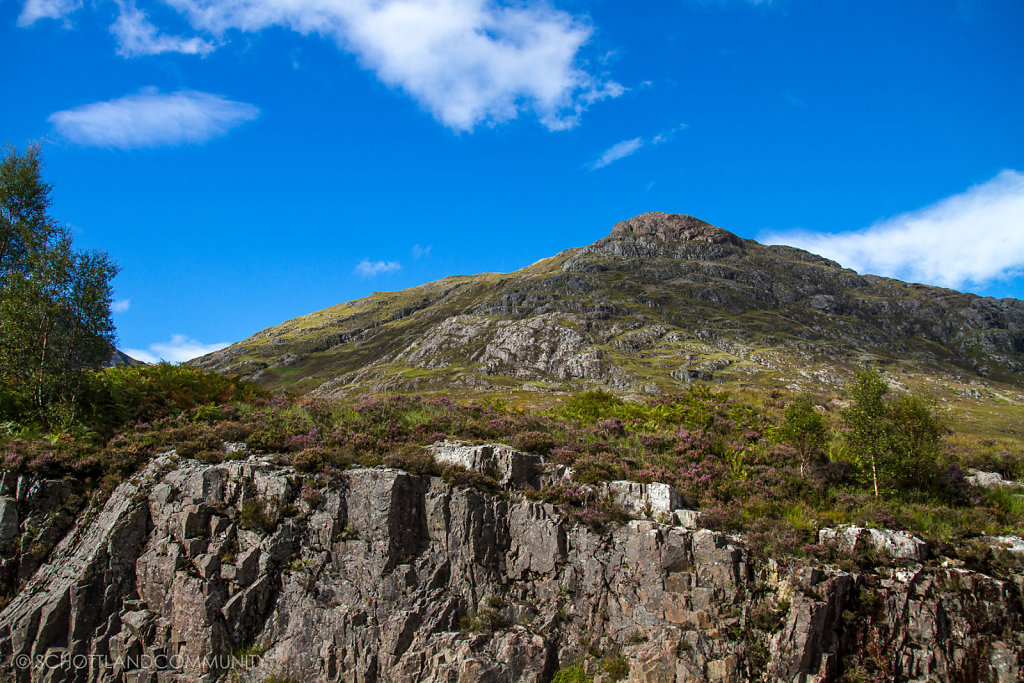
897	439
259	514
615	666
484	621
54	301
806	429
574	673
761	465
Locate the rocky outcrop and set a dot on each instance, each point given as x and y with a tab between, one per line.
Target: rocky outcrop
647	500
508	467
247	570
898	545
990	480
34	515
676	227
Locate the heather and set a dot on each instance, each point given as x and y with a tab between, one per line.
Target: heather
753	464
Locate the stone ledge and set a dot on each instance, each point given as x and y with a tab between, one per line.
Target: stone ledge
898	545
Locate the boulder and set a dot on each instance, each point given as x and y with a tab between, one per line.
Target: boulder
898	545
989	480
511	468
648	500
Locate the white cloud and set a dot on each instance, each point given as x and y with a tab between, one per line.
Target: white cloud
368	268
178	350
465	61
121	305
151	119
626	148
34	10
137	36
973	237
420	251
618	151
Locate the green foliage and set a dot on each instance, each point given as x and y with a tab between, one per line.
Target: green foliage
25	226
124	395
466	478
805	428
591	406
739	469
897	440
259	514
572	674
1008	500
484	621
769	619
616	667
55	319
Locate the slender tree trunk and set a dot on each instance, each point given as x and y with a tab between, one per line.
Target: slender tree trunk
42	365
874	474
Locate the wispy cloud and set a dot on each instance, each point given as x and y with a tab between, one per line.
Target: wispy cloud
121	305
467	62
620	150
34	10
152	119
178	350
137	36
419	251
368	268
668	135
629	147
971	238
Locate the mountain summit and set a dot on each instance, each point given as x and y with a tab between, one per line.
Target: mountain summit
675	226
662	301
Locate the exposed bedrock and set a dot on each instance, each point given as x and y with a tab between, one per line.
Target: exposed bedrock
381	575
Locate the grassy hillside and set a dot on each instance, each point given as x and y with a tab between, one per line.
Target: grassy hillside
661	303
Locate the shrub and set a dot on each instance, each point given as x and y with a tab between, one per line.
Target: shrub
533	442
462	477
484	621
574	673
310	459
616	667
258	514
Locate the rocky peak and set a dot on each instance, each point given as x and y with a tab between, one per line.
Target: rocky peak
676	227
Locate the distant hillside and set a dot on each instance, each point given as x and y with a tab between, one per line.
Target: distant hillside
662	301
118	357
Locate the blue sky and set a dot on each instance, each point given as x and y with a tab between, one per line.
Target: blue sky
248	161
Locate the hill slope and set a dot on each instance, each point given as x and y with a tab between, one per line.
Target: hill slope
663	300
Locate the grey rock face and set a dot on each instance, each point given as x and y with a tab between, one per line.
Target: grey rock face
898	545
674	226
509	467
34	515
648	500
989	480
387	576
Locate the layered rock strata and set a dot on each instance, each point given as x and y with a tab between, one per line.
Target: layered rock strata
247	570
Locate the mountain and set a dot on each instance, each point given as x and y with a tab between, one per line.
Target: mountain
662	301
119	357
